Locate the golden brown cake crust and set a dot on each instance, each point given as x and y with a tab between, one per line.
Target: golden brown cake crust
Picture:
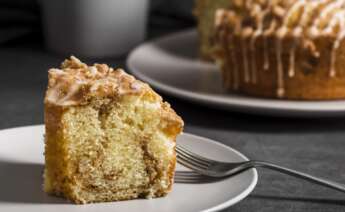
282	49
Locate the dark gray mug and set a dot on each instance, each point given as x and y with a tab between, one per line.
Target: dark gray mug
94	28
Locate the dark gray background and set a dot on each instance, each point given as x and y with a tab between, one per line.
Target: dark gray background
316	146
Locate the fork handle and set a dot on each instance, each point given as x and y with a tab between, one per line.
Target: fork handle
294	173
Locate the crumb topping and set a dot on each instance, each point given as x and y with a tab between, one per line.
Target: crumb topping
77	82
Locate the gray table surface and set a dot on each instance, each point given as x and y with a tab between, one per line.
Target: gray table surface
316	146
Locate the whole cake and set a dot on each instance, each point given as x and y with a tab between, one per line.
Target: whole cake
292	49
108	136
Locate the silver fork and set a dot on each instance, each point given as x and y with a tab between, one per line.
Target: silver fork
209	167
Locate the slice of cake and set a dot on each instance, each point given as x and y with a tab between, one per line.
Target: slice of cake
108	136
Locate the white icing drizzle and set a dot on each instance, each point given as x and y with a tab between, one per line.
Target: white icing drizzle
282	32
292	62
307	14
294	12
93	70
219	17
326	14
67	99
292	54
71	85
280	71
340	36
56	71
304	21
328	20
136	86
266	60
54	95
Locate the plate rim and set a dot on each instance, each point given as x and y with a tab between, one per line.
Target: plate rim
242	195
299	109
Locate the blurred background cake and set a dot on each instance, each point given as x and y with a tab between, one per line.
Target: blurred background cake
290	49
108	136
205	12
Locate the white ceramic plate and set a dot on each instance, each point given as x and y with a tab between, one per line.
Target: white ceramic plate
170	64
21	166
